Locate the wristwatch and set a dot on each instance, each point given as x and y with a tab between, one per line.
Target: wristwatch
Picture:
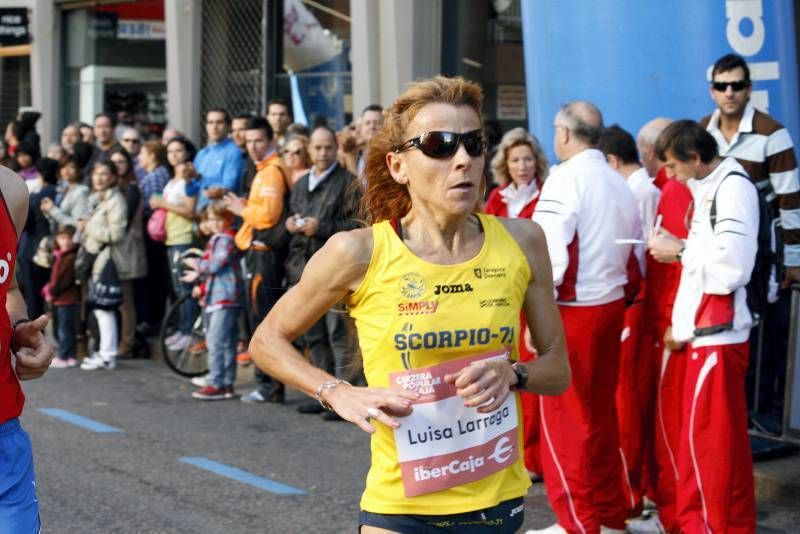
522	375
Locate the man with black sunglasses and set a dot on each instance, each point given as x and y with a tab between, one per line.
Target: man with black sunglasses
765	149
762	146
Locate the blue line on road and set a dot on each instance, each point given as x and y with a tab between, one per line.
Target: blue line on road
79	420
242	476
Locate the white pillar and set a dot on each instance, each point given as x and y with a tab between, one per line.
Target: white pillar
183	20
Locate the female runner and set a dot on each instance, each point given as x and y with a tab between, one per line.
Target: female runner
436	290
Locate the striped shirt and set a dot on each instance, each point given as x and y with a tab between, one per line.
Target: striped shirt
765	149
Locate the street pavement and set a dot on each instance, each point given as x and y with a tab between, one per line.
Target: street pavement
147	474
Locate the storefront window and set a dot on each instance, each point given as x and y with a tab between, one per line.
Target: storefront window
316	61
15	63
115	61
482	41
15	86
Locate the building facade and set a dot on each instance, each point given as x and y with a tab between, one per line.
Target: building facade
157	62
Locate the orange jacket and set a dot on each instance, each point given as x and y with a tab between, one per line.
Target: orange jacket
265	203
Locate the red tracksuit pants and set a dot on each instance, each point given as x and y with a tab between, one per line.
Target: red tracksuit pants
633	370
715	466
667	431
579	432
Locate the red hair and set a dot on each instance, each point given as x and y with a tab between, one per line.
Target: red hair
385	199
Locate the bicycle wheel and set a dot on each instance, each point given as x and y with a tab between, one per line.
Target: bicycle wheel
193	360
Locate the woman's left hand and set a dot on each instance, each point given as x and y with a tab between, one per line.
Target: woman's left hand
484	384
156	202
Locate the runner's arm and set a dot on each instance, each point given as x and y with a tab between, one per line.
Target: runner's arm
15	194
32	349
333	272
486	385
549	373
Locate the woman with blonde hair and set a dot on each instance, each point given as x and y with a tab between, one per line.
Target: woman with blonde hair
294	155
436	291
520	168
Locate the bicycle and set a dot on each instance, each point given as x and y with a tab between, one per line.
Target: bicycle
192	360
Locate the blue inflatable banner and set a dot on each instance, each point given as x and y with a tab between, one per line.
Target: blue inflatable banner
641	59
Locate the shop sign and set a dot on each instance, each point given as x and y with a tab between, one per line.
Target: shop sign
151	30
511	102
14	27
103	25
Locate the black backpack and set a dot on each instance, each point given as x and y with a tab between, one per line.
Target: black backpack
766	258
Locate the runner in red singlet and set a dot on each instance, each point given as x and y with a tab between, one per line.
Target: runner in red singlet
24	354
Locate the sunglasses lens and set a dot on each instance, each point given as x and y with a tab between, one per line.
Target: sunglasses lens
736	86
438	144
473	143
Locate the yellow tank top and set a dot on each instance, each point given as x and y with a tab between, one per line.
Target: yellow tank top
417	321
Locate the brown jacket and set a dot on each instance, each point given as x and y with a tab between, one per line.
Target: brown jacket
62	287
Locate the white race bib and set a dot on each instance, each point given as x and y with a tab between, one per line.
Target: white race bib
443	443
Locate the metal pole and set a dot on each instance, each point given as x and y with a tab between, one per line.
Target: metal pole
759	348
265	37
790	365
272	40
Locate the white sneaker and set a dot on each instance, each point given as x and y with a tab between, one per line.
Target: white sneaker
646	524
95	362
181	343
552	529
173	338
200	381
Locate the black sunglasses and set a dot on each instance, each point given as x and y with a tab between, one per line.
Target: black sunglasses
736	86
441	145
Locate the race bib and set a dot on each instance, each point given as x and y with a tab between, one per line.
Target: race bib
443	443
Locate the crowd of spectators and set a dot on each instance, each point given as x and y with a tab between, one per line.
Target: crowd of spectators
112	214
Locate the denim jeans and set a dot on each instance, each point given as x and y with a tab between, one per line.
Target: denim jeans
189	306
65	323
221	337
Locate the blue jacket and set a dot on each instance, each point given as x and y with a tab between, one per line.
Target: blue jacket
219	164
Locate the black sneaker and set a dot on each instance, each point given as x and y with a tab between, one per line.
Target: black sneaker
332	416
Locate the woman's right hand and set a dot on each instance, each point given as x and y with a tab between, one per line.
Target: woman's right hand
361	404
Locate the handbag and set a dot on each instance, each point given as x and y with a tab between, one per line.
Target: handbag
105	291
84	261
43	257
157	225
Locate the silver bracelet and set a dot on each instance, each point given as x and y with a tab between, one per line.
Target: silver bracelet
330	384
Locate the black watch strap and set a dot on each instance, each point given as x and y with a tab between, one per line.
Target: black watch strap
522	375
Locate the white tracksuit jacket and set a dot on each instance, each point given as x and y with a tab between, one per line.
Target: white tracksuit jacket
719	261
584	207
